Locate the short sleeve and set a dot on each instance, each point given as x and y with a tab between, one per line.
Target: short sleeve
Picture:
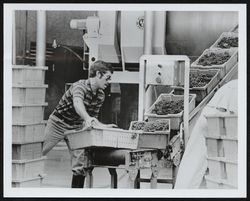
78	90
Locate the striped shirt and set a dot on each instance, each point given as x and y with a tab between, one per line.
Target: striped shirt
65	109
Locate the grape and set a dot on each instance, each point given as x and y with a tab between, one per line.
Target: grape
199	79
138	125
213	59
227	42
152	126
164	107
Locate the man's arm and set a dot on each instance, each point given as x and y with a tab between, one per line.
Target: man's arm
89	121
81	111
106	125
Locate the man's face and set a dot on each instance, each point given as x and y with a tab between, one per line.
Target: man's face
104	80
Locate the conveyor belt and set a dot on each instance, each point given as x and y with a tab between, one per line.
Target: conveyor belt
203	103
195	113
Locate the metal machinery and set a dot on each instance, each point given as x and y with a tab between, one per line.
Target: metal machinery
118	37
127	38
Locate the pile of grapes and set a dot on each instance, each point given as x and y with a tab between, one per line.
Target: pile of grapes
214	59
164	107
227	42
138	125
152	126
199	79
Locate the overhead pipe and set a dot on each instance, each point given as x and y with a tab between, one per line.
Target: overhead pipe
148	49
13	38
41	38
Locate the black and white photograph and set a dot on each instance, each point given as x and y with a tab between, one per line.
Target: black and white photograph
122	100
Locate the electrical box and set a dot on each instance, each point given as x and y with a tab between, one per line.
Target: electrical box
164	72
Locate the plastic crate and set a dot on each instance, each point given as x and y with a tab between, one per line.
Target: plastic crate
215	183
175	119
28	94
26	151
221	168
22	134
201	92
223	68
102	137
225	35
156	139
30	182
222	147
27	113
222	125
115	138
23	169
28	75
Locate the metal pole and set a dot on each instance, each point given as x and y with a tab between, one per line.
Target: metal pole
147	50
41	38
13	38
142	95
186	102
164	17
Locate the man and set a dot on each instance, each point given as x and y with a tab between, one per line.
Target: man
78	107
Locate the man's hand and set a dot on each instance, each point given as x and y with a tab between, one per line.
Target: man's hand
91	121
111	126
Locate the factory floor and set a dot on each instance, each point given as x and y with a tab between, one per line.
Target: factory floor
58	172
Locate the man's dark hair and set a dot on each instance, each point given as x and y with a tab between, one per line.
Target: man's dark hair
100	66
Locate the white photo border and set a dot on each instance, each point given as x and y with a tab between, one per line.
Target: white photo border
161	193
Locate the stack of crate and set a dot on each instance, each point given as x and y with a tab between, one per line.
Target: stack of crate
222	151
28	104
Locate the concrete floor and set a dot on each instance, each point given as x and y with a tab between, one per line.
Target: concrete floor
58	172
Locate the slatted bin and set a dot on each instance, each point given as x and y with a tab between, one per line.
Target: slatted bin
226	40
28	75
175	119
203	90
28	182
225	67
215	183
28	133
222	147
222	125
24	169
221	168
26	151
28	94
27	113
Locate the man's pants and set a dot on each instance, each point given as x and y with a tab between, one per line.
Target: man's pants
54	132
